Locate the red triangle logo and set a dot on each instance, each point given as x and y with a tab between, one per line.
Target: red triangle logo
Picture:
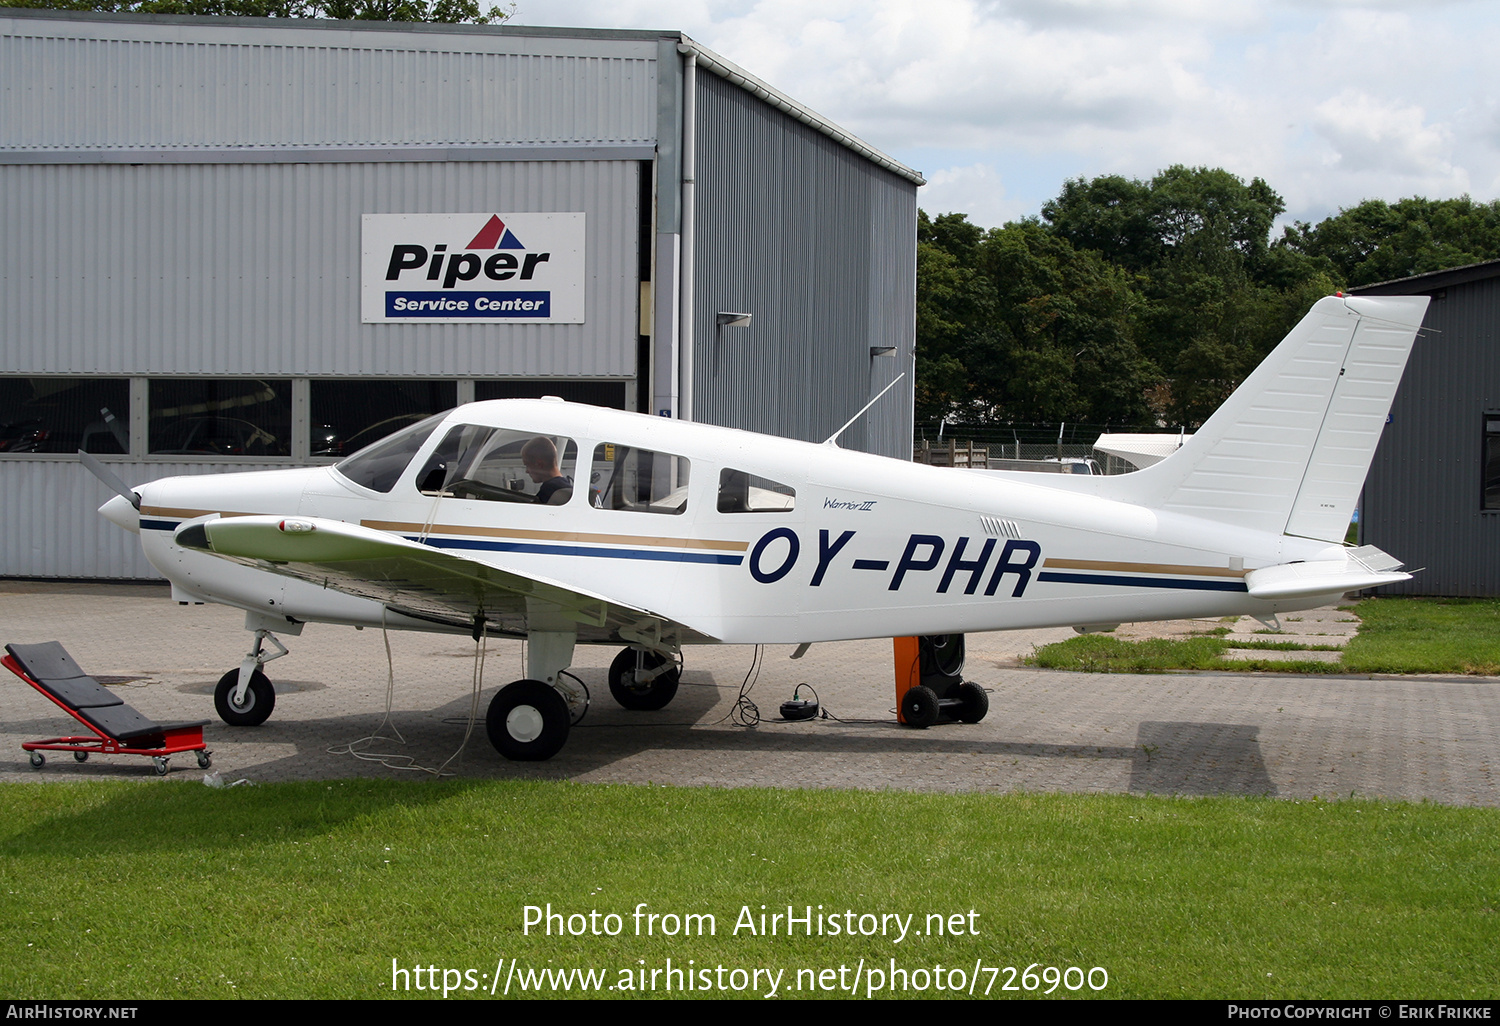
489	235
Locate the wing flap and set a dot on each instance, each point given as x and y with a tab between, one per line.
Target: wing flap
413	578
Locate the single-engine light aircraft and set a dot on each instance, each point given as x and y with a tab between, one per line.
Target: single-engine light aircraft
567	524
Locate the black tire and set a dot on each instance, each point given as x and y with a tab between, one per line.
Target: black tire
159	763
260	699
976	702
527	721
80	756
38	760
641	697
919	707
204	762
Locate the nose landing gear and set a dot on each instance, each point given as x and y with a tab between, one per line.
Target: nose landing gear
245	697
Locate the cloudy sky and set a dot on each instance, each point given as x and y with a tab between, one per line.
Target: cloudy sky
998	102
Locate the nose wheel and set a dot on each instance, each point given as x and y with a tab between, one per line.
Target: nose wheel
250	711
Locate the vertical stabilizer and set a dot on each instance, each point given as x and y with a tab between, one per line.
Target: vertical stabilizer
1289	450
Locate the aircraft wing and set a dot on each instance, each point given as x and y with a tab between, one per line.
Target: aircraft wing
416	579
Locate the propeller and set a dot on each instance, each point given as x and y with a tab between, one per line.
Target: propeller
111	481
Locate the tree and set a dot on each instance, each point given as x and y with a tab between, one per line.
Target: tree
1016	324
953	302
1183	214
1378	241
1210	285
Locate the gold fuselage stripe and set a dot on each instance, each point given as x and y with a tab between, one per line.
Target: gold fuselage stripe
1143	568
189	514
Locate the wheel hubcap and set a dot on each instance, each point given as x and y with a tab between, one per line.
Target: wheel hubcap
524	723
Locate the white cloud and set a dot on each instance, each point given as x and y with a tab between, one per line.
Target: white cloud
1374	135
1331	101
976	190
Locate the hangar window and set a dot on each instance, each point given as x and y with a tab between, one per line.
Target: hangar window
1492	460
223	417
638	479
64	415
495	465
348	415
740	492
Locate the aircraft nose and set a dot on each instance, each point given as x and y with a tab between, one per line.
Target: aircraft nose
120	512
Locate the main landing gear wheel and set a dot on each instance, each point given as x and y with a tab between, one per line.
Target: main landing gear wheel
653	694
260	699
976	702
527	721
919	706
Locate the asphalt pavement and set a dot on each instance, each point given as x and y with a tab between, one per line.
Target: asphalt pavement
1417	738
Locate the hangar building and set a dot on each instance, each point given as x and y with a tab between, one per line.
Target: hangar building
244	243
1433	495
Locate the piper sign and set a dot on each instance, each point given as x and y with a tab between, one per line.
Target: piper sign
467	268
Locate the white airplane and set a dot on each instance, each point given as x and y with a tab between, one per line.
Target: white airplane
568	524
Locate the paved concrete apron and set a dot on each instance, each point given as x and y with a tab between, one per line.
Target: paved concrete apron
1432	738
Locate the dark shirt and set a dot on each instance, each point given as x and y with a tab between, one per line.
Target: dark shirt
544	494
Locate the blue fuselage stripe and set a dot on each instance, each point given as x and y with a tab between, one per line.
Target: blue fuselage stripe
1051	576
575	550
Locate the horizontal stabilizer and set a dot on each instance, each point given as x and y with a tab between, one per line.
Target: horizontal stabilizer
1364	567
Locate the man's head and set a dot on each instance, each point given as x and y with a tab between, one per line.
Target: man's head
540	459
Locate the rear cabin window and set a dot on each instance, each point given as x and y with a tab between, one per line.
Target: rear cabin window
741	492
638	479
498	465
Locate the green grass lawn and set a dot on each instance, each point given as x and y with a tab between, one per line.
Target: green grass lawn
1426	635
1396	635
167	889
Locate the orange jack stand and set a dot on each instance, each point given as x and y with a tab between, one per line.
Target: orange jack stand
908	665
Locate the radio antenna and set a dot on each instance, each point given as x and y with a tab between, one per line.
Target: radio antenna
833	438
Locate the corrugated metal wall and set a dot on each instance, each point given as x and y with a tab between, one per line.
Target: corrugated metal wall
254	268
51	527
1422	498
182	196
820	246
143	85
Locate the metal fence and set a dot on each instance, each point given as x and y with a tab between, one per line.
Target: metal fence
1017	455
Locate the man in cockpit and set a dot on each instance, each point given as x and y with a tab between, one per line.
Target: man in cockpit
539	456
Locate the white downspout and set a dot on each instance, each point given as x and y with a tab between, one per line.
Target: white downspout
685	282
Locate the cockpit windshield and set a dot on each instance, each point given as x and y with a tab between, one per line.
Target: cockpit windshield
379	466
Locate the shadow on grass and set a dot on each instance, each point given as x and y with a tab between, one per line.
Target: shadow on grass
106	818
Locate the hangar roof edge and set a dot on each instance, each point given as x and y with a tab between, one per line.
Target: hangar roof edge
710	60
1431	280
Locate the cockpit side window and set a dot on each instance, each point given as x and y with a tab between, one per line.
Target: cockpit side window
741	492
638	479
498	465
378	466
